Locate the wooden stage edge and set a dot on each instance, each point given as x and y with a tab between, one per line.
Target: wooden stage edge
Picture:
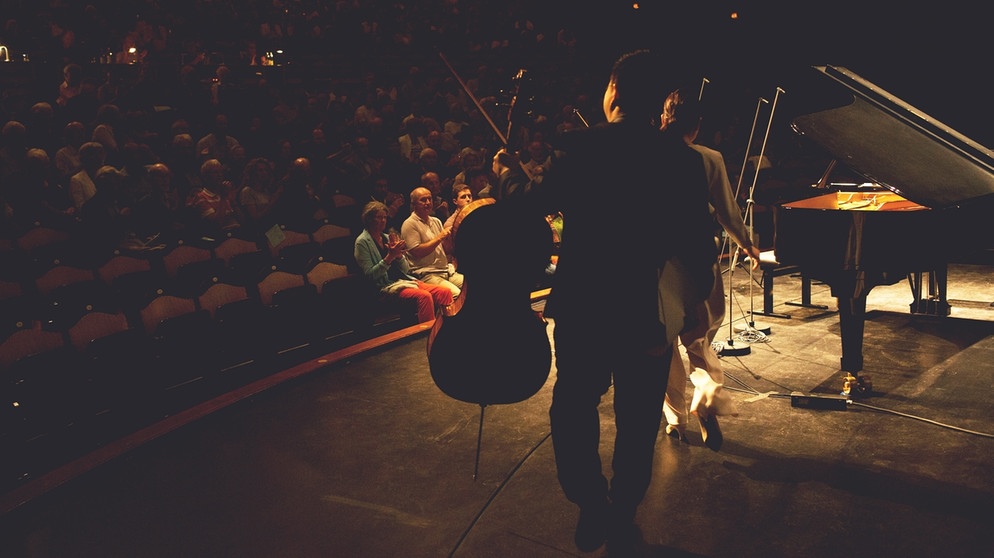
51	480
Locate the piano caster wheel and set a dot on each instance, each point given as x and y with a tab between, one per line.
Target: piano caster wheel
856	386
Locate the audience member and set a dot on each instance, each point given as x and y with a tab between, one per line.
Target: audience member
462	195
443	149
257	138
72	78
135	160
238	162
299	206
258	195
214	203
480	182
81	186
423	234
397	210
468	158
42	128
26	196
537	159
381	259
356	168
317	149
181	158
105	222
379	189
110	90
67	157
83	106
282	156
162	212
217	144
220	87
412	141
428	161
106	132
433	182
13	151
395	167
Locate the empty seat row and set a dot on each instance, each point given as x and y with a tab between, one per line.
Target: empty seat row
184	269
182	350
25	258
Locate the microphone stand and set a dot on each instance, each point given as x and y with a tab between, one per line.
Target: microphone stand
728	348
752	330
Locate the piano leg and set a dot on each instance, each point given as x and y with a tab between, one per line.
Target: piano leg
850	289
852	317
934	303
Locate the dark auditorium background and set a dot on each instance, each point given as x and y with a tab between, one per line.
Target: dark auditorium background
931	55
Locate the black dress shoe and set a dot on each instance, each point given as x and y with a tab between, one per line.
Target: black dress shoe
711	432
591	528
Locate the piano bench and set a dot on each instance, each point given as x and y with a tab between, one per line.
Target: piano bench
772	268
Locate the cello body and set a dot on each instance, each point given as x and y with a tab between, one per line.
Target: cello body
490	347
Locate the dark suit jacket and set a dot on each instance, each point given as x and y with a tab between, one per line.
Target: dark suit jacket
631	197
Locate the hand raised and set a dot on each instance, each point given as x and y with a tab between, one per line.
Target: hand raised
398	247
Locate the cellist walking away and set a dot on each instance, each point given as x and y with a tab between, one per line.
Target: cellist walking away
660	253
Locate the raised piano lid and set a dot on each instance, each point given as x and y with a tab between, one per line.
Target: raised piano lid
898	146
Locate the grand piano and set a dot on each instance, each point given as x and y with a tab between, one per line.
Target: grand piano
927	201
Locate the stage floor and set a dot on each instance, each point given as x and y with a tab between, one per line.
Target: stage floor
367	458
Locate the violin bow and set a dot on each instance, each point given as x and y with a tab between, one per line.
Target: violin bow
503	138
500	135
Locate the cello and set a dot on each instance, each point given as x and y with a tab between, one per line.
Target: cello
490	347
